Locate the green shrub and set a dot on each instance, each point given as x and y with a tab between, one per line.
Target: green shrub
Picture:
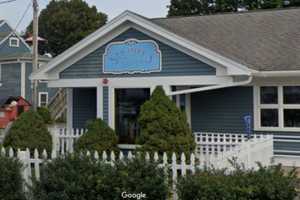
99	137
265	184
140	176
29	131
11	182
83	178
164	127
45	114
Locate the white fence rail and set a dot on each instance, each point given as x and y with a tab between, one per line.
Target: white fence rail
214	149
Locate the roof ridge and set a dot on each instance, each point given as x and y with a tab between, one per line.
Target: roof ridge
229	13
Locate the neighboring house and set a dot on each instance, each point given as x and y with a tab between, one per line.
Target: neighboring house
16	66
12	108
221	69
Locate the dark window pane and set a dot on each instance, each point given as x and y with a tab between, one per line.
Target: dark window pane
268	95
269	117
291	95
292	118
182	102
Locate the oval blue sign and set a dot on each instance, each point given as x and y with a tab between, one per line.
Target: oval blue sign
132	56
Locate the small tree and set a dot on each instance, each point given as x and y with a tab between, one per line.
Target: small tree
29	131
99	137
164	127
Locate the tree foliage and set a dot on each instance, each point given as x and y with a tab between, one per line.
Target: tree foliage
65	22
99	137
11	182
164	127
204	7
29	131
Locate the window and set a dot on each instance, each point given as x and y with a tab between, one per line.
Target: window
2	114
43	99
14	42
278	108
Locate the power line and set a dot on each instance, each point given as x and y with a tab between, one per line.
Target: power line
24	14
6	1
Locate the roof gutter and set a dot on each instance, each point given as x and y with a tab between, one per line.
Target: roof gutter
277	73
214	87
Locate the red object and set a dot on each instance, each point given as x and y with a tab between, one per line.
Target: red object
105	81
12	109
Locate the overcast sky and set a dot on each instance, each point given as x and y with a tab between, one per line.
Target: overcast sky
13	12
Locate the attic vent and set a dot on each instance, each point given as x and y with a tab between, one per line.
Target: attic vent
14	42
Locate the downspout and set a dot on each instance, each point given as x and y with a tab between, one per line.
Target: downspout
214	87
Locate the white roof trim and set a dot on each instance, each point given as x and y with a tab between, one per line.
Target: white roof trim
13	32
233	68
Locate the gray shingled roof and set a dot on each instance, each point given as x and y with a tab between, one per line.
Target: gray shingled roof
263	40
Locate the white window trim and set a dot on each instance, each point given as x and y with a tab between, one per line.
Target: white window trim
280	106
16	39
43	93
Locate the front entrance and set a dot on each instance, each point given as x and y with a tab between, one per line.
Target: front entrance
127	109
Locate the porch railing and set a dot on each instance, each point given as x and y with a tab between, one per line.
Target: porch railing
212	149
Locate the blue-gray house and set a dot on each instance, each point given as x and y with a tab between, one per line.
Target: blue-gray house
230	73
16	66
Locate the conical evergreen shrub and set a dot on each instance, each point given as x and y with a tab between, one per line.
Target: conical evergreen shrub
29	131
163	126
99	137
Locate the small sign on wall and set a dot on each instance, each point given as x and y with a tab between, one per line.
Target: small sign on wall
132	56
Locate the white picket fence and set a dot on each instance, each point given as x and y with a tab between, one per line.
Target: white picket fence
32	162
218	149
213	149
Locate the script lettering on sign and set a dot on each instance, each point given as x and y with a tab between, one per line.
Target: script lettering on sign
132	56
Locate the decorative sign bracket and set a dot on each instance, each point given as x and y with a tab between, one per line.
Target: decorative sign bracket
132	56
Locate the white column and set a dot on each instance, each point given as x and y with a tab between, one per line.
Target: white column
23	80
111	106
69	108
188	108
99	102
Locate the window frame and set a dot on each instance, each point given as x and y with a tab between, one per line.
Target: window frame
14	45
280	106
40	97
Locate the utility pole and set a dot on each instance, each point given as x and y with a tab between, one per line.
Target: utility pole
35	55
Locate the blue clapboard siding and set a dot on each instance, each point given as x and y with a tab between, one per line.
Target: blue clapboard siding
221	110
84	106
42	87
174	62
6	50
11	80
105	104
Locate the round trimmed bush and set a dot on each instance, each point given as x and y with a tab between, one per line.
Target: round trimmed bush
29	131
164	127
45	114
84	178
99	137
11	182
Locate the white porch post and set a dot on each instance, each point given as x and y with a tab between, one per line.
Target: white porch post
99	102
69	109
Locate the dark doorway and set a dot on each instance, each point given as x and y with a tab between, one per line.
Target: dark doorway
127	109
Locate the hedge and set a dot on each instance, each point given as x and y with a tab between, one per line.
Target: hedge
269	183
11	182
83	178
